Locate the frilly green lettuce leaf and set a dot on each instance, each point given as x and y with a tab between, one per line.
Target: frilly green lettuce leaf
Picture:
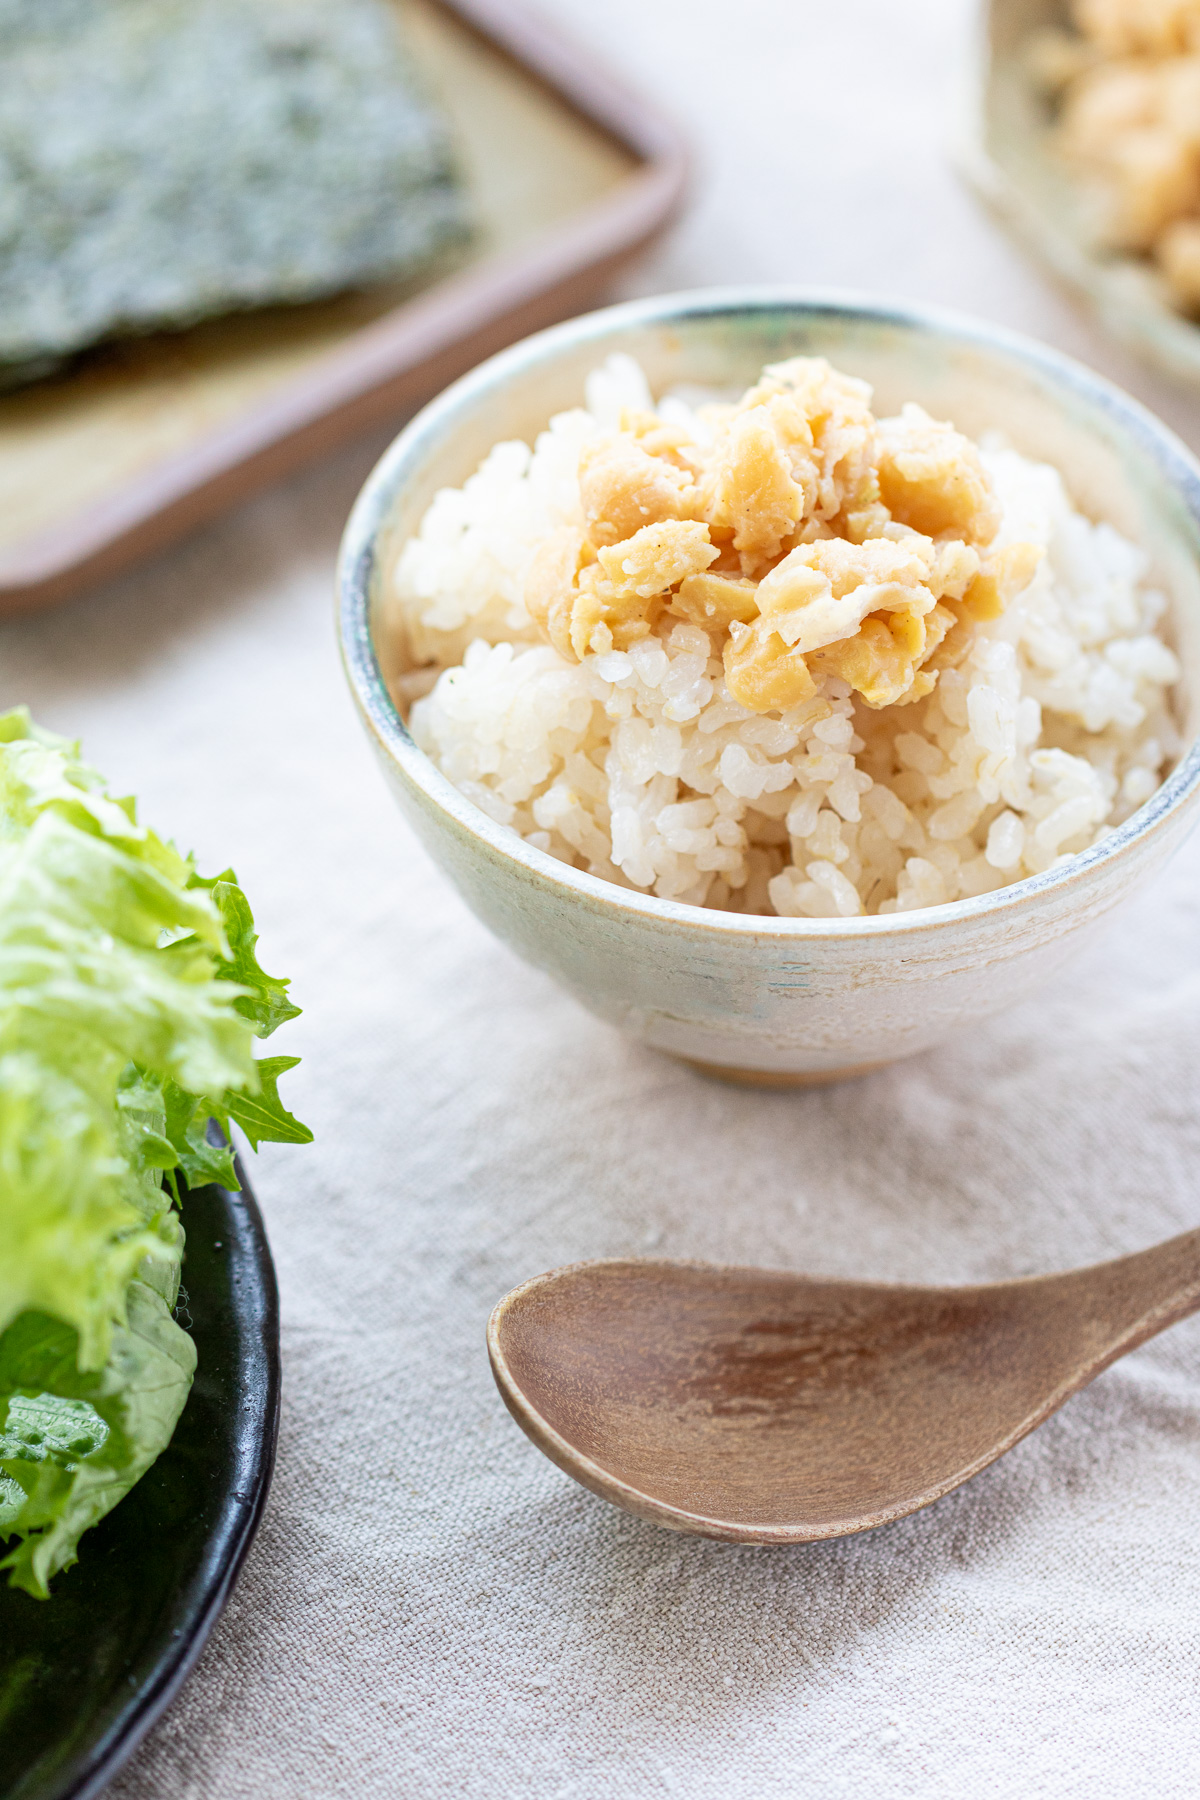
263	1117
73	1443
130	995
264	1002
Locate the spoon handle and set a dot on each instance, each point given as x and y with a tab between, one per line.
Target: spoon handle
1136	1297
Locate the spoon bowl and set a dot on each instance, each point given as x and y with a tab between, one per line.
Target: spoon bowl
772	1408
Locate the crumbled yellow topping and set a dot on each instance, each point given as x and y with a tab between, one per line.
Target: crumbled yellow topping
803	534
1136	27
1130	85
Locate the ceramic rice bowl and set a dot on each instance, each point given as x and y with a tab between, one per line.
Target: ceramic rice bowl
782	1001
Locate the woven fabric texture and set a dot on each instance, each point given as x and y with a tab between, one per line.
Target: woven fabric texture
431	1609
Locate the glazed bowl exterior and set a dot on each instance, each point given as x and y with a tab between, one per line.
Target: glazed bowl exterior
761	998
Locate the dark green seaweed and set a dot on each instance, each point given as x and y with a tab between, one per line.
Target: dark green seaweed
162	161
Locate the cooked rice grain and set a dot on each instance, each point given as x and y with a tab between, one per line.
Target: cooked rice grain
638	765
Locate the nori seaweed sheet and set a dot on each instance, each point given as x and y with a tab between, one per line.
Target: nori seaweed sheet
165	160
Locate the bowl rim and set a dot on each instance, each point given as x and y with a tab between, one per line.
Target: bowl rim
357	566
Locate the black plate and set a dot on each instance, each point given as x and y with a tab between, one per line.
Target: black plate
85	1674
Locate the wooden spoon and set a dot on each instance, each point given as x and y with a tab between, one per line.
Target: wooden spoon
773	1408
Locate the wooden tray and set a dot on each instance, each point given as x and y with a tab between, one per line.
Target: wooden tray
570	174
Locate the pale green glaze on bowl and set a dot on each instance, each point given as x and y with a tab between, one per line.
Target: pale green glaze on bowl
766	998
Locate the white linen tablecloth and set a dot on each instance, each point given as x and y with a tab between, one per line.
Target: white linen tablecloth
431	1609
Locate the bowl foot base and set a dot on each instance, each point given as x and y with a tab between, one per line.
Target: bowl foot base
780	1078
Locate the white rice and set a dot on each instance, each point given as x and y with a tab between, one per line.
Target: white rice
639	767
